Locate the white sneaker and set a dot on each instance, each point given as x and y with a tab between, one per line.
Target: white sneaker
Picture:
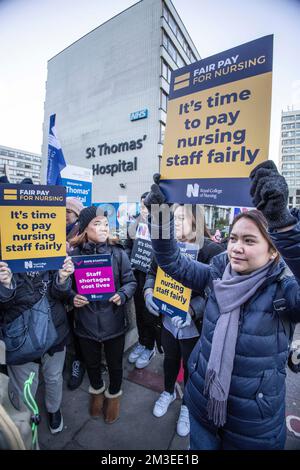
135	354
183	423
162	404
145	358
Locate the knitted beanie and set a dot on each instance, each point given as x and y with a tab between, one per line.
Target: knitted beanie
26	181
86	216
74	204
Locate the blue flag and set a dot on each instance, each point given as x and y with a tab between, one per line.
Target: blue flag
56	161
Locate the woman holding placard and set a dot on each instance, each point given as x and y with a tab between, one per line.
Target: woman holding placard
236	389
26	299
98	322
179	337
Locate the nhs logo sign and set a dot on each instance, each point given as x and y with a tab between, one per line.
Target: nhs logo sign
139	115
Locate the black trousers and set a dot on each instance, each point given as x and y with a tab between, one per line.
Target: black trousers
145	322
114	349
75	339
174	350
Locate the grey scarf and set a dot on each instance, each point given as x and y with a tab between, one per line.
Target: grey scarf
231	292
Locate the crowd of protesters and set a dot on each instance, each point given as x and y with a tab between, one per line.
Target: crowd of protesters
233	342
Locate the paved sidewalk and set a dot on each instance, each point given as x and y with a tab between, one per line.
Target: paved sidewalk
137	428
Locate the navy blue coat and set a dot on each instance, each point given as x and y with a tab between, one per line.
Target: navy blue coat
256	402
288	244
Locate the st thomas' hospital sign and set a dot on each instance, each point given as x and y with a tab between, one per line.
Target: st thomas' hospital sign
121	165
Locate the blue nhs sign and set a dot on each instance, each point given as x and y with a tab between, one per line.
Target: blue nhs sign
139	115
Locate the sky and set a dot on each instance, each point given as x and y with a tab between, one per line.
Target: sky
33	31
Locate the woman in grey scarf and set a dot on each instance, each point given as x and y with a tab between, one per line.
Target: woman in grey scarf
236	390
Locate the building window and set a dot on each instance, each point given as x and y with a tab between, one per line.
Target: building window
180	38
166	71
286	158
177	32
288	134
287	118
297	117
168	44
288	126
172	50
288	166
289	142
287	149
180	61
162	132
163	100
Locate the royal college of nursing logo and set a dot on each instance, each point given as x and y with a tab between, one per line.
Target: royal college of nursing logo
28	264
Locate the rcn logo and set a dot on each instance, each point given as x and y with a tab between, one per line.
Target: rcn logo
164	307
28	264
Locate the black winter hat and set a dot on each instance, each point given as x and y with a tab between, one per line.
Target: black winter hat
86	216
26	181
4	180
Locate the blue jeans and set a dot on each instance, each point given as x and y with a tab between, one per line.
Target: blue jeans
201	438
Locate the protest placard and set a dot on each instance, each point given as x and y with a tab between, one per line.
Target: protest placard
94	276
33	226
141	254
218	124
171	296
78	183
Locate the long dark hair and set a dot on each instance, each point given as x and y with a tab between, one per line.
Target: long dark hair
261	223
81	239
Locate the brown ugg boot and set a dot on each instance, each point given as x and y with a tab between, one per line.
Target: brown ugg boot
111	407
96	401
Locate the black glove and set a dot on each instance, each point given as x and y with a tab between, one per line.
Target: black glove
155	196
269	192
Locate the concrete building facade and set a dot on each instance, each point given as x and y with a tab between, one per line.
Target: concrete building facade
109	93
19	164
290	154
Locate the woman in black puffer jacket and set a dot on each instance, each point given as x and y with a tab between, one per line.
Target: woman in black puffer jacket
102	321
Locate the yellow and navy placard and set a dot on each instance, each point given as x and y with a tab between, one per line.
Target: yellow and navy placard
218	125
171	296
33	226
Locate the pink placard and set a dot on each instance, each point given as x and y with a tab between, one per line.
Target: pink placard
94	280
